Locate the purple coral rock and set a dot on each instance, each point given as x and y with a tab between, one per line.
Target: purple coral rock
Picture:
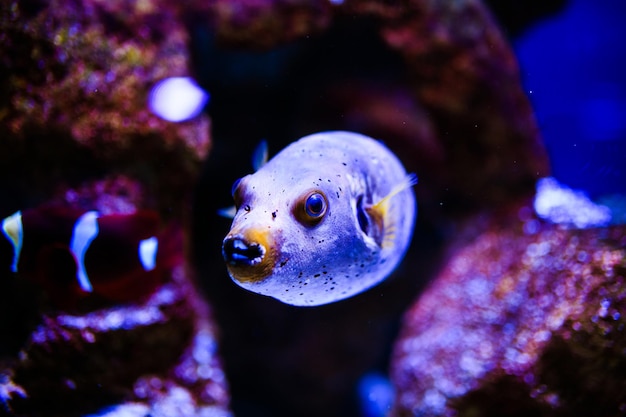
526	319
153	351
74	88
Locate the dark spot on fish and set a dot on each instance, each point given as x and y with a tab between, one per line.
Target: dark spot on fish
362	265
332	288
324	272
283	263
273	214
316	275
337	194
344	164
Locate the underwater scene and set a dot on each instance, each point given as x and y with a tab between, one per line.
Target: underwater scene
338	208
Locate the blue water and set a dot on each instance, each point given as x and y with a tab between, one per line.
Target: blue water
574	71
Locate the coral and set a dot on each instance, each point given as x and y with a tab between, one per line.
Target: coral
74	364
156	351
526	318
74	85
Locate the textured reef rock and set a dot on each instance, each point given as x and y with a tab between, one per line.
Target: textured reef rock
153	354
77	133
527	318
157	356
74	83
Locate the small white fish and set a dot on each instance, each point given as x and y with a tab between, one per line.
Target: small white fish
327	218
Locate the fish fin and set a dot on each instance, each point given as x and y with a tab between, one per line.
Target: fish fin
85	231
228	212
13	229
407	182
380	210
260	155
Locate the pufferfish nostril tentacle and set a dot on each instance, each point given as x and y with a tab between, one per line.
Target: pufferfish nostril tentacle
237	251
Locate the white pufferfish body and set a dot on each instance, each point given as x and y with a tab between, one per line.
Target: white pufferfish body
328	217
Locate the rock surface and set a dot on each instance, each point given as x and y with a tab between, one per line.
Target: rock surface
77	133
527	318
74	85
154	353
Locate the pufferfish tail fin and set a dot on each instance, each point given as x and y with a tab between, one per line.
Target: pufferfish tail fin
382	214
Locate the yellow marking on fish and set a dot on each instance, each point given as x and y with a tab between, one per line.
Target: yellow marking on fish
255	241
381	211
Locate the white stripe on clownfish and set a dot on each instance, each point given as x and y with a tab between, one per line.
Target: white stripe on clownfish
12	229
85	230
147	252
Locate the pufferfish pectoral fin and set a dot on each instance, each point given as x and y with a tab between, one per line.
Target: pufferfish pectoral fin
228	212
382	214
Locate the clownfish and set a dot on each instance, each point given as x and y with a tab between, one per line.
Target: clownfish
76	253
328	217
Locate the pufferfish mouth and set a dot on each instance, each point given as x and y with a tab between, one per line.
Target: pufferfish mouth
237	251
249	255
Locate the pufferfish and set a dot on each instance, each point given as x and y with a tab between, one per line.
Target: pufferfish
328	217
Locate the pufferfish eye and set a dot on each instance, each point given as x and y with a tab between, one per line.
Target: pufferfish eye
312	208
